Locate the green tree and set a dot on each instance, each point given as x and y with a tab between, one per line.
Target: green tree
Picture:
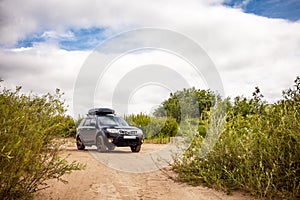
188	103
244	106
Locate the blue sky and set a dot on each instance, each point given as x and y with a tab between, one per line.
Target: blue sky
284	9
75	39
83	39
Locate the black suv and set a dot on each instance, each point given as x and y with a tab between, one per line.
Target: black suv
102	128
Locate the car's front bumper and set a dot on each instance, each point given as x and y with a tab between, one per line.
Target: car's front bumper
126	140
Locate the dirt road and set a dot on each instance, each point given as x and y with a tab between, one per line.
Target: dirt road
98	181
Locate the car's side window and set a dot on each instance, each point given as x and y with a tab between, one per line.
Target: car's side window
93	122
87	122
81	123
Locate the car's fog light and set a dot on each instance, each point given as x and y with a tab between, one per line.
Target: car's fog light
110	139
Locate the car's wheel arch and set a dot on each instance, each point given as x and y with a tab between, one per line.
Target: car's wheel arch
100	133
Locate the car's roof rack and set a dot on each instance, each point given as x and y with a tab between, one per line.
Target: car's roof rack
101	111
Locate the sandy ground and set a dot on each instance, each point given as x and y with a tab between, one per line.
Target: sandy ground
100	181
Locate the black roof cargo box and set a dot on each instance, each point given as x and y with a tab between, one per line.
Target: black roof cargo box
101	111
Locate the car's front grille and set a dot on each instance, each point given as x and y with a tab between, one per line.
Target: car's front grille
133	132
128	132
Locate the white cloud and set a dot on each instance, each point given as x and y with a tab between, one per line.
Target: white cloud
53	35
248	50
242	4
41	69
149	93
39	16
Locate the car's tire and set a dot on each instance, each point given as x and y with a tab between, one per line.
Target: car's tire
100	144
136	148
79	144
111	147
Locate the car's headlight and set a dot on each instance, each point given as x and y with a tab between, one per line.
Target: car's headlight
112	130
139	132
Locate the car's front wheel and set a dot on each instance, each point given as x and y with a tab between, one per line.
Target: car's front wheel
100	144
111	147
136	148
79	144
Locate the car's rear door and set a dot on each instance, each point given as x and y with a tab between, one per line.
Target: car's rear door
88	130
91	131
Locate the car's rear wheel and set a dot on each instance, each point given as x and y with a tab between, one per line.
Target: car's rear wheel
136	148
79	144
100	144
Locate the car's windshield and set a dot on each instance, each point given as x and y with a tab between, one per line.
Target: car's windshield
112	121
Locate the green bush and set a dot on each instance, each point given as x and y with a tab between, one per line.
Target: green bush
29	144
259	150
67	126
155	129
139	120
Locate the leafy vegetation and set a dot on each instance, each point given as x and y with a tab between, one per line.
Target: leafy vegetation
258	151
188	103
29	148
156	130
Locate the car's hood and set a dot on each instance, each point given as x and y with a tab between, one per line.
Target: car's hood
123	127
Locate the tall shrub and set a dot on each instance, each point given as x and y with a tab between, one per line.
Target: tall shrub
29	150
